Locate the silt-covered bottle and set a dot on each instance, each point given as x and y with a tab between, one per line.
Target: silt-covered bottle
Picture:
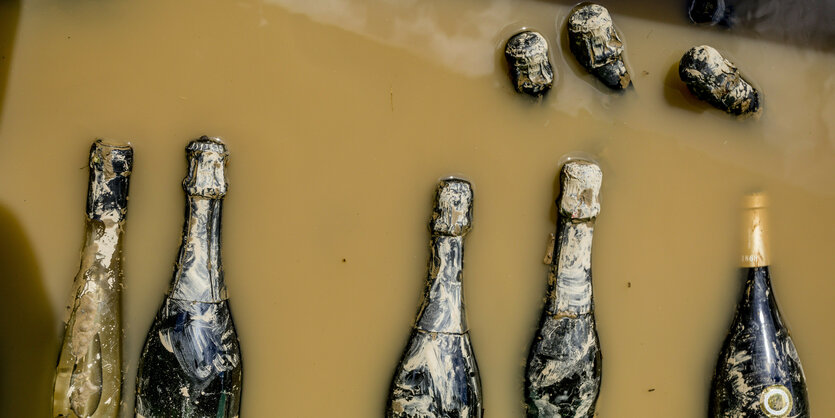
190	365
88	378
563	373
437	376
758	373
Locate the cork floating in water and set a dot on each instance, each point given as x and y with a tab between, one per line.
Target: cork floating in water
714	79
190	365
563	373
437	375
529	64
88	378
597	46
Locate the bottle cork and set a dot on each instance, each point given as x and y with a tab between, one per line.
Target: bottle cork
579	195
453	212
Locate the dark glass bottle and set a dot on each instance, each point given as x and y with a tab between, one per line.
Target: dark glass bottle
758	373
88	379
437	375
563	373
191	362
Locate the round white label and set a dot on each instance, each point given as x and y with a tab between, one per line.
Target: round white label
776	401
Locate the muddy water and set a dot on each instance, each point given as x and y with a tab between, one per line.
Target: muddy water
340	116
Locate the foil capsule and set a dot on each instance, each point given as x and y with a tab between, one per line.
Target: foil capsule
597	46
528	62
714	79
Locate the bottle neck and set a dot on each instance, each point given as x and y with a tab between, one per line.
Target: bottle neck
757	283
569	281
101	254
110	169
754	237
758	303
198	274
442	309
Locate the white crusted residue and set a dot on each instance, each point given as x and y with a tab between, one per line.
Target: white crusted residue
165	341
581	182
718	65
736	371
198	278
566	376
593	25
739	358
573	287
527	44
443	307
720	79
589	18
84	328
436	371
207	172
453	207
557	370
106	244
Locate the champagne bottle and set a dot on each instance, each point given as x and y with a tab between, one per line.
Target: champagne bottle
88	379
562	378
758	373
190	365
437	375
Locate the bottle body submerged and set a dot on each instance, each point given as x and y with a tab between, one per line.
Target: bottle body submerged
437	375
190	365
88	379
758	372
563	373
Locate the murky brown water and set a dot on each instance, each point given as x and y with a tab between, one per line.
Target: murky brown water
340	116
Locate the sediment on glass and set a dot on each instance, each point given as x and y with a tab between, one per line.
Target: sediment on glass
190	365
563	373
88	378
437	375
758	372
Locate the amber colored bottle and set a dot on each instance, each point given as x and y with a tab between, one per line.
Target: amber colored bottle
88	379
758	373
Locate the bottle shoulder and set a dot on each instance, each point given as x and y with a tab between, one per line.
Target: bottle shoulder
190	357
437	376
